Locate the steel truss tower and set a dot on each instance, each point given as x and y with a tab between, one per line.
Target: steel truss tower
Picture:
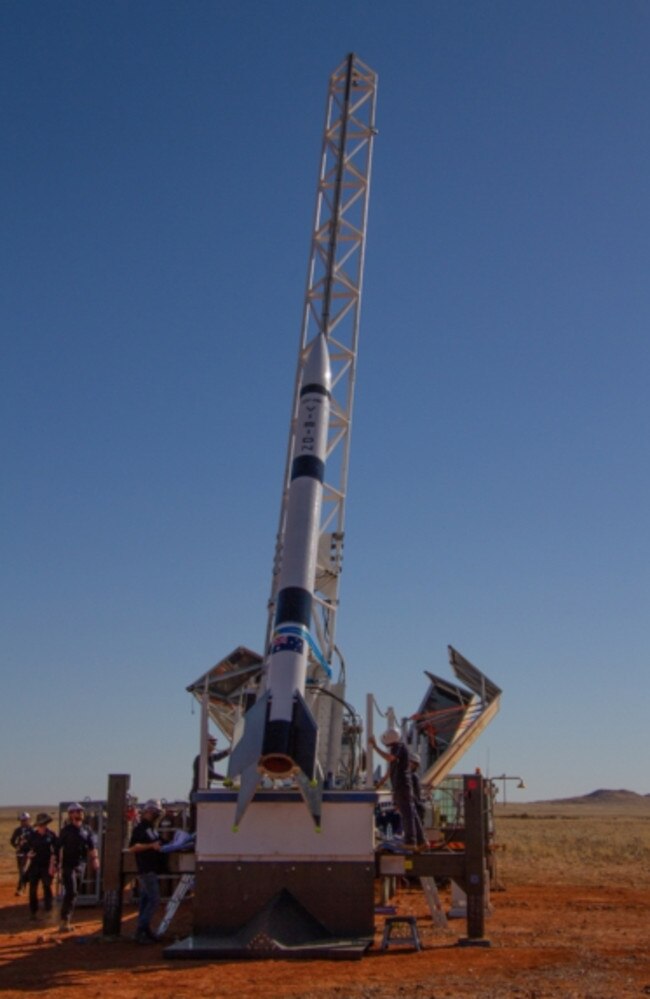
332	306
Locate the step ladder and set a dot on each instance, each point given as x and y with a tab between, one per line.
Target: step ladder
406	928
185	884
430	890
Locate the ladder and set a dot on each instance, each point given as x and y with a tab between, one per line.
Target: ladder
185	884
435	905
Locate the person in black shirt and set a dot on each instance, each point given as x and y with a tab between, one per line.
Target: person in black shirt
19	842
399	768
212	775
77	844
145	844
414	763
42	848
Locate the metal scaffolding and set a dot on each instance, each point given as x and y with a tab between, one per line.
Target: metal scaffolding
332	306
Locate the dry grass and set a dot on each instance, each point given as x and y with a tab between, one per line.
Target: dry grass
605	844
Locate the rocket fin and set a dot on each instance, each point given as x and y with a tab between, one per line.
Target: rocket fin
247	756
250	779
312	793
248	738
304	736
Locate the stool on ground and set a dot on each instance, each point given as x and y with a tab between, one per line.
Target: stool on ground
406	928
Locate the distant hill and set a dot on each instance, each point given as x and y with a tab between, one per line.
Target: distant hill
602	797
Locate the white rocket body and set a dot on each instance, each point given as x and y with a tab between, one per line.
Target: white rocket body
278	734
287	658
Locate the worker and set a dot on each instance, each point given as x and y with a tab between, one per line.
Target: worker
145	844
42	848
18	840
213	757
77	846
397	756
414	765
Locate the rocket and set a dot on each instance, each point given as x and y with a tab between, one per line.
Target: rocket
288	741
277	737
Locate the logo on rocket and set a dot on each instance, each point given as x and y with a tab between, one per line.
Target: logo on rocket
278	736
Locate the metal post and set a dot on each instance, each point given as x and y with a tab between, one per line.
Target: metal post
370	704
116	826
475	879
203	749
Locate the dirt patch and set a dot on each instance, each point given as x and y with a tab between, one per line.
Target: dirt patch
566	941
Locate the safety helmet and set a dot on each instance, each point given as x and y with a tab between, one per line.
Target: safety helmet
390	737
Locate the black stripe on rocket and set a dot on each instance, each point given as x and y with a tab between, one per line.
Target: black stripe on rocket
293	602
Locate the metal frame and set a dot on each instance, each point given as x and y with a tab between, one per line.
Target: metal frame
467	866
332	306
474	717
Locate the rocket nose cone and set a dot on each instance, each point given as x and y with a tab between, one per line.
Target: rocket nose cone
317	366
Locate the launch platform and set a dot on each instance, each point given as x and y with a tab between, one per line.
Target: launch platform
280	884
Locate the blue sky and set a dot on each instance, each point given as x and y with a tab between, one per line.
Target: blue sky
159	166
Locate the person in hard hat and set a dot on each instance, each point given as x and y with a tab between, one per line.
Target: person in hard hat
145	844
77	847
397	756
42	848
18	841
213	757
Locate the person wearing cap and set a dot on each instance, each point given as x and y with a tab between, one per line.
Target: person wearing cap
399	768
42	848
145	844
19	842
77	846
213	757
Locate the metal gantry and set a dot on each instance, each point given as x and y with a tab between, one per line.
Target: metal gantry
332	306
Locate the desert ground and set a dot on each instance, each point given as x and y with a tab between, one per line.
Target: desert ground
571	919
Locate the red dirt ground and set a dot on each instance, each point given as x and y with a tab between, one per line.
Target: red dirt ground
560	942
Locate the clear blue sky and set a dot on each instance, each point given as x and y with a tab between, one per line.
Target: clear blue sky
159	166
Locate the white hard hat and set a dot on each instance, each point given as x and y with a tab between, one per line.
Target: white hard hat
390	736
